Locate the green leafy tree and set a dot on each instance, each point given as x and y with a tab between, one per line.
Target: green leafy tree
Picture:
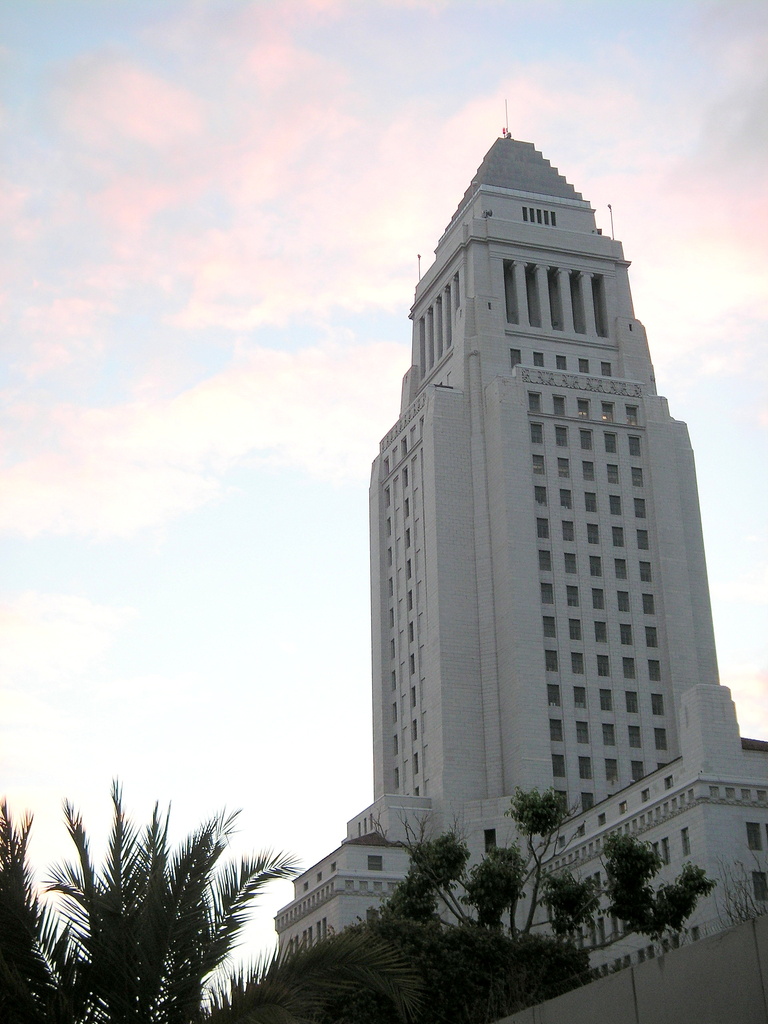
145	939
439	880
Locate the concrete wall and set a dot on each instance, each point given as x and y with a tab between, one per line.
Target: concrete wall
720	980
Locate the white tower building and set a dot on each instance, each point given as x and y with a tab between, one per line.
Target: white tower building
540	608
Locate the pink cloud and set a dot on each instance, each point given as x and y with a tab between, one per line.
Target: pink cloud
115	470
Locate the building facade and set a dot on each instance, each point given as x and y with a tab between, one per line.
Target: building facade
540	608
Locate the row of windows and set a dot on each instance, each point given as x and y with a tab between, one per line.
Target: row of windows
598	603
590	497
637	769
584	411
603	663
561	362
593	530
601	626
606	699
556	735
537	216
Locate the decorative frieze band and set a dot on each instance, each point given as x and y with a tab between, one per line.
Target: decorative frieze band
581	382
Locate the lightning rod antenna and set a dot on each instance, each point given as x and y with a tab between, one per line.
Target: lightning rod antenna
506	120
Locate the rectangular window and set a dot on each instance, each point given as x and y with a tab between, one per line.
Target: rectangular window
538	358
375	862
631	411
665	850
625	632
654	670
540	495
538	464
394	712
609	735
603	665
414	730
534	402
660	738
558	405
580	696
567	529
489	836
394	743
606	412
545	561
553	695
542	529
408	569
645	572
611	769
640	508
605	369
606	700
561	437
628	665
657	703
563	468
620	568
577	663
637	770
593	533
585	438
631	699
614	503
612	473
634	445
610	443
634	735
642	540
537	433
413	696
561	363
416	765
558	765
588	470
637	477
590	501
649	606
651	637
601	632
515	357
548	624
583	366
582	408
598	598
585	767
550	661
582	732
617	532
685	842
565	499
754	839
555	730
572	597
595	565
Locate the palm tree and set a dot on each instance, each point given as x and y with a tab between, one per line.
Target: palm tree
146	939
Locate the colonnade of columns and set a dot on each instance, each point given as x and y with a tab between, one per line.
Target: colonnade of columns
436	327
554	298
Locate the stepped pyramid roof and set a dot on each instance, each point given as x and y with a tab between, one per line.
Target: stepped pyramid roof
520	166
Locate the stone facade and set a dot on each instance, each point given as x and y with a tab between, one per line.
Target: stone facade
540	608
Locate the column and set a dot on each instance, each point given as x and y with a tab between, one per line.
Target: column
439	327
542	288
448	316
518	272
564	284
585	283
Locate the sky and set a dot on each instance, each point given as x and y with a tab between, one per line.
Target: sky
211	213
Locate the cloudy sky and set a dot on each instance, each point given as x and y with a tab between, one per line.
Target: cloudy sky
211	212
